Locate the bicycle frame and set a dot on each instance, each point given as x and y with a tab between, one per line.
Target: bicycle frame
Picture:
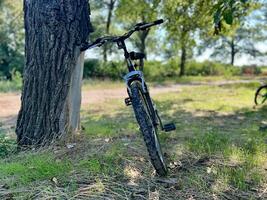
133	73
136	75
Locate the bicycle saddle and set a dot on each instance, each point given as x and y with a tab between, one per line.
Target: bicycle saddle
137	56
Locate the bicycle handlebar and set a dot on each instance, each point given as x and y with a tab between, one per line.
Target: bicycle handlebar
148	25
101	41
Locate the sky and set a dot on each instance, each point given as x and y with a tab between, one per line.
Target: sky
240	61
243	60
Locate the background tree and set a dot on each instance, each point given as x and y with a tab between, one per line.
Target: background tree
53	71
103	21
131	12
110	5
241	42
239	32
227	12
12	38
185	19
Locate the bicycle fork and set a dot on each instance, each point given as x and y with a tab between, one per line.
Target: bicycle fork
156	120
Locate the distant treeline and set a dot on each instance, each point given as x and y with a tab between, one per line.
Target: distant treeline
187	33
159	71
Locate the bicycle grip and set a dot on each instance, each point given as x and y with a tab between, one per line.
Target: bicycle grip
146	26
157	22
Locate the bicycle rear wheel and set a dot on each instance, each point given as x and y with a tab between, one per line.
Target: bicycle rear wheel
143	114
261	95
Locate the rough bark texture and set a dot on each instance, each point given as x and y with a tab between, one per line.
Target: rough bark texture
54	31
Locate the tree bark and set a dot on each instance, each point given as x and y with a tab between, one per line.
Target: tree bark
50	101
183	61
110	5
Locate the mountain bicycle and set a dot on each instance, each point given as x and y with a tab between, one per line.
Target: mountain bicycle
261	95
144	108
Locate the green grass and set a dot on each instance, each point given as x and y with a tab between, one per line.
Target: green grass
9	86
7	145
217	122
29	168
16	84
217	145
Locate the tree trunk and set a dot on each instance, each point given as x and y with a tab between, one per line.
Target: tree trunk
52	75
183	61
110	5
233	52
143	36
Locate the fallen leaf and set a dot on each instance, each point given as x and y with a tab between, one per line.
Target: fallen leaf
54	180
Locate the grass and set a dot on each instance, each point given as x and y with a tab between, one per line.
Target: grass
28	168
11	86
217	151
89	84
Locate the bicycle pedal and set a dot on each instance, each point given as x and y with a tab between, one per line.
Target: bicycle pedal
169	127
128	101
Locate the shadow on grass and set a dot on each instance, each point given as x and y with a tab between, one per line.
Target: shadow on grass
209	154
212	154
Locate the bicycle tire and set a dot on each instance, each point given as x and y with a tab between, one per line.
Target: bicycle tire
257	95
149	131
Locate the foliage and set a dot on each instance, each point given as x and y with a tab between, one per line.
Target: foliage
229	12
131	12
185	20
112	70
241	39
14	85
158	71
103	22
251	70
7	146
209	68
12	38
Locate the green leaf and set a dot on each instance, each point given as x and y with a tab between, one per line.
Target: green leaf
228	17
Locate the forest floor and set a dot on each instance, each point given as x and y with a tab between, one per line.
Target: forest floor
217	151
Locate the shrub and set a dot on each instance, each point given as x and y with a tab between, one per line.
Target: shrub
91	67
251	70
159	71
14	85
98	69
208	68
6	146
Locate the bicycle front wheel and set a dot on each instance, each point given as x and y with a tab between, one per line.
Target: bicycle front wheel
143	114
261	95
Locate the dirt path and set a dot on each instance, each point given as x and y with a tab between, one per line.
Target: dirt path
10	102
